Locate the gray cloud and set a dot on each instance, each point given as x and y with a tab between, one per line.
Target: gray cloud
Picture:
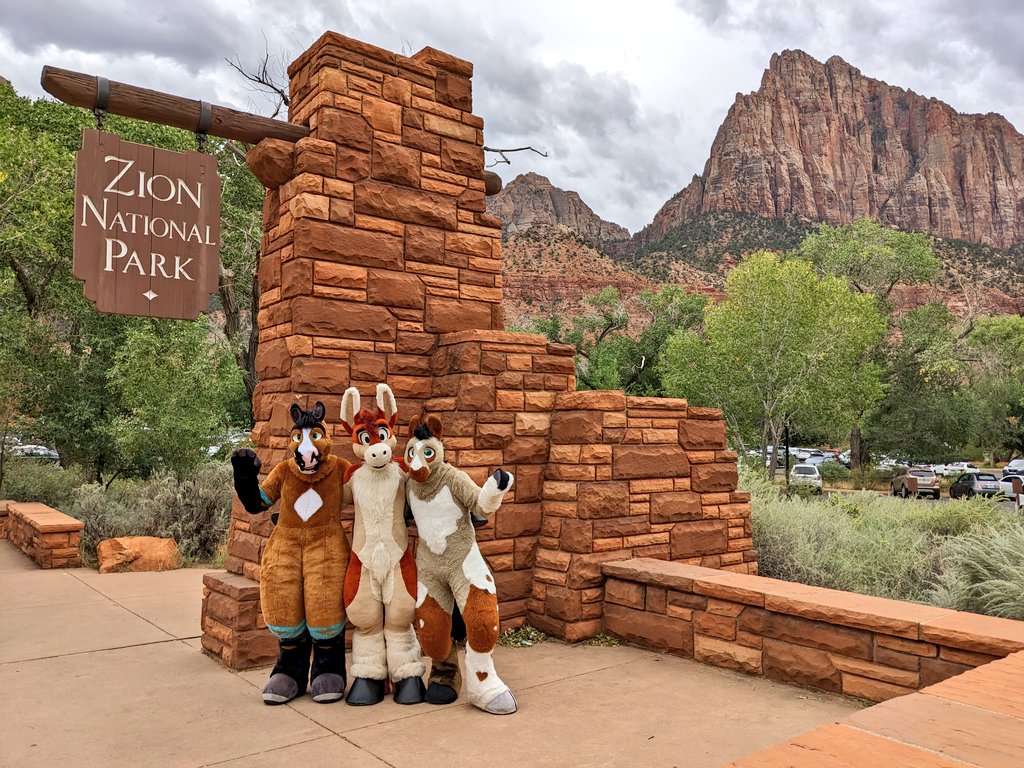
625	101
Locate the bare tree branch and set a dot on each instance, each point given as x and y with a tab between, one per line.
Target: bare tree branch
266	77
504	158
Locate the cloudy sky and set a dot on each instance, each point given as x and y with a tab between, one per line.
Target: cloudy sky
625	96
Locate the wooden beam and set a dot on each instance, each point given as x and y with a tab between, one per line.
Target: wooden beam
79	89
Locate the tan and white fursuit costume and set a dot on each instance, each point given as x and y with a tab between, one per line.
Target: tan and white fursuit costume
380	583
451	571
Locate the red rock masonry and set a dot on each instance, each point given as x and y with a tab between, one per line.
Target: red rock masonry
380	264
48	536
867	647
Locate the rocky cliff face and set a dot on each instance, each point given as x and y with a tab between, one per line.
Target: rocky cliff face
824	143
530	201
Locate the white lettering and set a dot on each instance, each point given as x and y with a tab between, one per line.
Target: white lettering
156	261
194	232
87	205
122	247
118	222
178	228
180	268
154	195
153	224
134	259
110	186
196	198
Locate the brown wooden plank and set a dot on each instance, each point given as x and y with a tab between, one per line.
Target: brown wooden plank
79	89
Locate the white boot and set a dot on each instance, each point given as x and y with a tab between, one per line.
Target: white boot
403	653
369	658
486	690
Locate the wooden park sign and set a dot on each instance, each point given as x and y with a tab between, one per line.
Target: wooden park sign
147	227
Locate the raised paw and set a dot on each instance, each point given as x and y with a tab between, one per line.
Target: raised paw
503	479
245	462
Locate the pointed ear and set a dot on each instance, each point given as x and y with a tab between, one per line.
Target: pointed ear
386	404
349	408
295	411
414	422
319	411
435	426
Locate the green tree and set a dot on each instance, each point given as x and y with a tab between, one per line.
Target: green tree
610	352
75	403
925	414
784	346
874	260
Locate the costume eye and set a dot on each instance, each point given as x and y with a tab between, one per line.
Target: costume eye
428	453
296	437
410	452
364	437
317	435
383	433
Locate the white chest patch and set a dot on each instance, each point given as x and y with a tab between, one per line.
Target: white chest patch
436	519
307	504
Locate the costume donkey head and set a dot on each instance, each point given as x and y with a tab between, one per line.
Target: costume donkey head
372	430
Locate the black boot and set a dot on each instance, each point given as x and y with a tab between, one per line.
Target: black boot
365	691
410	691
290	674
445	679
328	674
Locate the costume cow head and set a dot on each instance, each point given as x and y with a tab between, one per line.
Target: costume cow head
310	439
372	430
424	451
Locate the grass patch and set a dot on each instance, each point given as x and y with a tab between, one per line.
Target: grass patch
522	637
601	639
967	553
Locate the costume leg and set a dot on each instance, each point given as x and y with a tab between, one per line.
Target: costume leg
283	611
366	615
324	560
478	602
434	606
405	660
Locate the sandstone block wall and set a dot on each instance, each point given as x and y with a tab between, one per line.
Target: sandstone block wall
867	647
380	264
47	535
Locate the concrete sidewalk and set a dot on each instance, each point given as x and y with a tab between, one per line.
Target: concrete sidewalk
106	670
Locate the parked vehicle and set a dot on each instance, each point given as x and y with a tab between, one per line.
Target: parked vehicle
35	452
806	474
926	481
974	484
957	468
1006	483
818	459
1015	467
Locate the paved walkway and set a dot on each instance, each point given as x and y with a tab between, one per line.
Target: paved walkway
105	670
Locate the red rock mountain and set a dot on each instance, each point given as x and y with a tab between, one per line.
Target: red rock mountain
530	201
822	142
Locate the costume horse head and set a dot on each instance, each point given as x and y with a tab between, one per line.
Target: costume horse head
309	437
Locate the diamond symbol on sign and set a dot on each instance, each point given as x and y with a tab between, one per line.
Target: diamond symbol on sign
150	295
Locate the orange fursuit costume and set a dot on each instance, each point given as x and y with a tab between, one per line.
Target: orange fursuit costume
303	566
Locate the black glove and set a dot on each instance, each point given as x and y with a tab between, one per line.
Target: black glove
502	478
245	465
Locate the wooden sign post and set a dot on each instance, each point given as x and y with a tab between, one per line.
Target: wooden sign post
147	227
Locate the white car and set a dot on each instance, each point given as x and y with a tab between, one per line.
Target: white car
956	468
1006	484
806	474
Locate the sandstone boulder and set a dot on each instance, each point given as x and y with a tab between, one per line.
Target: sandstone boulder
138	553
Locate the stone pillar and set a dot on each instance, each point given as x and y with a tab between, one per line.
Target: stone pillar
380	263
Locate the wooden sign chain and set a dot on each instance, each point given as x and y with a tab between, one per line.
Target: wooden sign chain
205	121
102	100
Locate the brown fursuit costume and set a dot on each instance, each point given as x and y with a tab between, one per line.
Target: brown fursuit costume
304	562
451	571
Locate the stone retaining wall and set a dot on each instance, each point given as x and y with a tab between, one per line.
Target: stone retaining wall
380	263
867	647
48	536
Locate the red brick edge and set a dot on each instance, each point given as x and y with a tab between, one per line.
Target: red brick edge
48	536
867	647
